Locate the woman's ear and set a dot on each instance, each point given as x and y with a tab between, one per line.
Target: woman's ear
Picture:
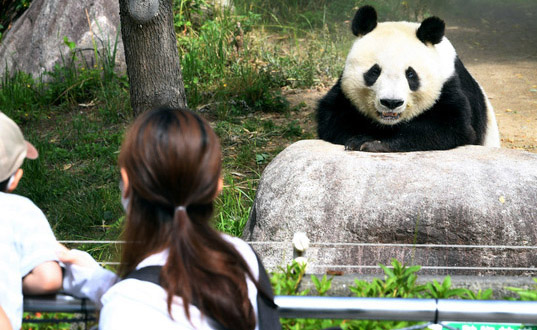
220	186
125	179
13	183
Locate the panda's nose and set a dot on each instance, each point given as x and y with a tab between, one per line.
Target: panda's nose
391	103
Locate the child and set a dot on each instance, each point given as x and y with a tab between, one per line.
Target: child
170	165
28	261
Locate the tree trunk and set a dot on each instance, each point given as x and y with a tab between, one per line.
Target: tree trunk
151	54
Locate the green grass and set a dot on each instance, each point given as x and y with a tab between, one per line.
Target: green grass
76	116
73	179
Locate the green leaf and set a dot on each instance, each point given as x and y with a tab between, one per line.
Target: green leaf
69	44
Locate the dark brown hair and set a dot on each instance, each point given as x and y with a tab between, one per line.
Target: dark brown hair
173	160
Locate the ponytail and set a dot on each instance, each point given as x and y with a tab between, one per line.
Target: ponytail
207	271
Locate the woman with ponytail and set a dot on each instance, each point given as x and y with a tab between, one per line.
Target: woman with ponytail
176	271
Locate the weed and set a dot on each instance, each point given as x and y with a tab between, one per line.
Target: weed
234	205
293	129
50	321
444	290
287	280
399	281
525	294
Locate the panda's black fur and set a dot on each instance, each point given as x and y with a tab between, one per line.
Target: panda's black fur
459	116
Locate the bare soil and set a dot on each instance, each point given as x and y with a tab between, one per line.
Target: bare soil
497	42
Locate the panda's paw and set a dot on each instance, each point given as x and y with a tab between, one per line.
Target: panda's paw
374	146
354	144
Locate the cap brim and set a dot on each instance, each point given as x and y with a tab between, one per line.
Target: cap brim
31	151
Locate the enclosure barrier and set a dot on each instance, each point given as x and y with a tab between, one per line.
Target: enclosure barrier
313	268
395	309
407	309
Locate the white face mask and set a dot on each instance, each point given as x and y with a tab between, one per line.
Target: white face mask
125	201
10	182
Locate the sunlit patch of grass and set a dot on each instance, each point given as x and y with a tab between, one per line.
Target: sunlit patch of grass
77	115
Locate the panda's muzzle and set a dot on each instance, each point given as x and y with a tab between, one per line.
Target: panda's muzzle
390	104
389	115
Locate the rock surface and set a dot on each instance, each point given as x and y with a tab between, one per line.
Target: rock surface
35	43
442	210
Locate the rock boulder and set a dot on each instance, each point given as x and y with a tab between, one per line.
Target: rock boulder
470	210
35	42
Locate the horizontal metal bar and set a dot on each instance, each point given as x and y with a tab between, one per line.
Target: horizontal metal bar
356	308
532	269
404	309
58	303
402	245
488	311
396	309
337	244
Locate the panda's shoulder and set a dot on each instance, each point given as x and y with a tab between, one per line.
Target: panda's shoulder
334	96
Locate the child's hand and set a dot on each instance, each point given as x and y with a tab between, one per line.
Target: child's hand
77	257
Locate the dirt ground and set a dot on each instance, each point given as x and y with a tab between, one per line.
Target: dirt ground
498	45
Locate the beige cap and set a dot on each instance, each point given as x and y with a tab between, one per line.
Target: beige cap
13	148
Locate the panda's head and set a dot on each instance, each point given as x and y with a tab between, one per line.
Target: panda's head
396	70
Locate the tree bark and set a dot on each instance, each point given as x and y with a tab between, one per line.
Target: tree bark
151	54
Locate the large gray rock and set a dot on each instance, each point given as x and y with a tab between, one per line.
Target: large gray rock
435	209
35	43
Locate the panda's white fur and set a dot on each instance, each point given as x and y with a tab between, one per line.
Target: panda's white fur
403	88
492	137
394	47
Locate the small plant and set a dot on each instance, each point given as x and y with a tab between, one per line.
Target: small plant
323	285
444	290
525	294
287	280
52	321
400	282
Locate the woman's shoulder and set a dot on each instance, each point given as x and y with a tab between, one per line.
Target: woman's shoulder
131	293
133	304
145	300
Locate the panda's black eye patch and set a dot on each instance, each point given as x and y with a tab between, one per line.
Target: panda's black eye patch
372	75
412	78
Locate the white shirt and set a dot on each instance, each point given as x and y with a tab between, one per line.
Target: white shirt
134	304
26	241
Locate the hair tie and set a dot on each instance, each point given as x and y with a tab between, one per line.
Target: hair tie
180	208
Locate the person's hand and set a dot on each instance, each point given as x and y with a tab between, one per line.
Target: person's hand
77	257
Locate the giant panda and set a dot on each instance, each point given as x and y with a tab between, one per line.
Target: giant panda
403	88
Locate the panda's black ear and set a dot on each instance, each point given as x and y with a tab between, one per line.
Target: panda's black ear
431	30
364	21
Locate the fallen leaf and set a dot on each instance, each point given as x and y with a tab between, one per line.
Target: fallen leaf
334	272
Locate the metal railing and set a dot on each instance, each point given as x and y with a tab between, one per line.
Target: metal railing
406	309
395	309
